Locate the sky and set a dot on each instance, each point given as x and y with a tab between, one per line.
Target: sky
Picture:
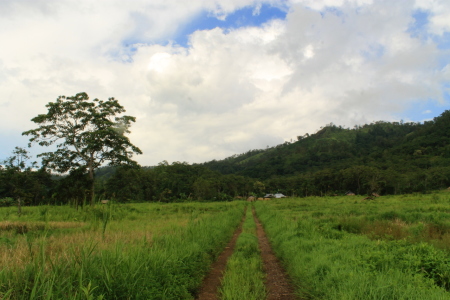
207	79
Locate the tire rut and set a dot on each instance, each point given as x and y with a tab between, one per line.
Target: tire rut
277	283
211	283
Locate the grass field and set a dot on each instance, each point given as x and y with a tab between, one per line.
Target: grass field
244	276
133	251
392	247
345	248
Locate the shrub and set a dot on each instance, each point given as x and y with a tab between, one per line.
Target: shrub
6	202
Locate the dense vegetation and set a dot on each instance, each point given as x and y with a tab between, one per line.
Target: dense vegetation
113	251
244	276
382	157
336	248
396	247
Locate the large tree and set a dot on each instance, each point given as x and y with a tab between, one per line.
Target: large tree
87	134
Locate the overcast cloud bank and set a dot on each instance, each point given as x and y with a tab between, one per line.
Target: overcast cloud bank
230	89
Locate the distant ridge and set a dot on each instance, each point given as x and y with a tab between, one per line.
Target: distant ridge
380	144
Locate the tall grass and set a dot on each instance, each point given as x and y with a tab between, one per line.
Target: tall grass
244	276
149	251
417	218
327	263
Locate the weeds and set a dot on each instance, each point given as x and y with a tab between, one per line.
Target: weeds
132	259
244	276
330	256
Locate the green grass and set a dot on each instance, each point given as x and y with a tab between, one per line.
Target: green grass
142	251
416	217
393	247
244	276
328	262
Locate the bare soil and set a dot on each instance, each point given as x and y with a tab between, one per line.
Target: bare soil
278	284
212	281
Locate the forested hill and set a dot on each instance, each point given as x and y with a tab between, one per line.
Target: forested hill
382	158
397	146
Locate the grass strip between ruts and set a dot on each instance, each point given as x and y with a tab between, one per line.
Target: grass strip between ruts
244	276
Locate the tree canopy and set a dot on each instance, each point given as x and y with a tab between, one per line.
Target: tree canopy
381	158
87	134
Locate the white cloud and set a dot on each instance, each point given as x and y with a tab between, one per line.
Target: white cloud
439	14
231	90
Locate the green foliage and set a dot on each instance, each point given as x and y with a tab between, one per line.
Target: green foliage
20	182
169	266
244	276
381	157
87	134
326	263
174	182
7	201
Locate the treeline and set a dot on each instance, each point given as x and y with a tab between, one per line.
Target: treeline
163	183
173	182
25	187
382	145
382	157
361	180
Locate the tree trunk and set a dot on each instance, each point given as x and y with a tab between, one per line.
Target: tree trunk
92	190
19	207
91	178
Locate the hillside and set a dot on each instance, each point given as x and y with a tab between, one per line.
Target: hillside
382	157
400	148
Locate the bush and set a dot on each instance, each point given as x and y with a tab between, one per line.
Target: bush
6	202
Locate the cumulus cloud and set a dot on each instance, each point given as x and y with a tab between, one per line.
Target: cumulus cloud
439	11
229	90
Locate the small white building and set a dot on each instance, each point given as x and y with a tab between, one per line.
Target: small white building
278	195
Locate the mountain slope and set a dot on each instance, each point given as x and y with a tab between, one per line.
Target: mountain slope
381	144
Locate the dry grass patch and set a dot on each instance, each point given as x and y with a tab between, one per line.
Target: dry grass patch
24	227
395	229
70	246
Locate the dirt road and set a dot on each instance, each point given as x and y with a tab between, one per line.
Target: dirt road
277	282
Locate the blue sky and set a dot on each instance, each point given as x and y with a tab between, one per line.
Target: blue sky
244	17
423	110
248	16
275	69
428	108
419	29
418	110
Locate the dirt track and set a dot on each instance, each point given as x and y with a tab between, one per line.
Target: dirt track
211	283
277	282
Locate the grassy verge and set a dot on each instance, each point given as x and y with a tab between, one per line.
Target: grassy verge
415	218
147	251
244	276
327	263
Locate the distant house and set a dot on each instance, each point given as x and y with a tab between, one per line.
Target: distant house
278	195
